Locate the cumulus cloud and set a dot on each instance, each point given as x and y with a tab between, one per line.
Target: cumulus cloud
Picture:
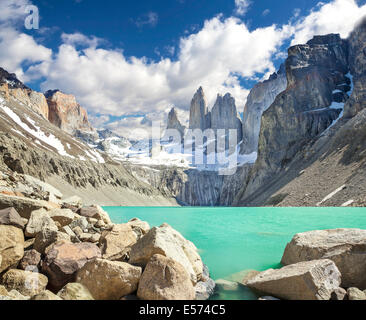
77	38
339	16
12	11
108	82
17	48
218	56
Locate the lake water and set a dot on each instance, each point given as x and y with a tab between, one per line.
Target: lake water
233	240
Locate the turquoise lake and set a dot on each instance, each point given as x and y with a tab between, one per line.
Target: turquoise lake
232	240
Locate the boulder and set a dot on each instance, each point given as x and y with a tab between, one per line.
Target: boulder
312	280
67	230
63	259
139	227
11	217
11	246
63	216
17	296
39	220
248	275
47	237
25	282
28	244
116	244
90	237
95	212
73	201
24	206
346	247
205	289
165	279
226	285
109	280
30	260
46	296
3	291
75	291
82	223
170	243
339	294
355	294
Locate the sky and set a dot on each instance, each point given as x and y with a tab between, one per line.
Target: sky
129	62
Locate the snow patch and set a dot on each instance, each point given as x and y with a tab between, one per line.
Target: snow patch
50	139
348	203
331	195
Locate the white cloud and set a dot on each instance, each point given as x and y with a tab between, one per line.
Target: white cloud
105	81
338	16
17	48
216	57
242	7
12	11
77	38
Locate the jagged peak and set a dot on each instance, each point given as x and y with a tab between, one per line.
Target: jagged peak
325	39
11	79
50	93
200	94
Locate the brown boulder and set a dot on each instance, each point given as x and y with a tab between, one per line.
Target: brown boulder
24	206
11	217
109	280
39	220
117	243
339	294
47	237
169	243
139	227
75	291
30	260
95	212
63	216
165	279
312	280
46	296
26	282
345	247
63	259
11	246
356	294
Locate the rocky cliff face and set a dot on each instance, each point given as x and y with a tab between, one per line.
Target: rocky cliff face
66	113
174	123
199	117
259	100
357	64
12	87
224	115
193	187
315	73
328	169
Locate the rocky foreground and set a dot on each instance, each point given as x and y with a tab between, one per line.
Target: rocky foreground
318	265
53	249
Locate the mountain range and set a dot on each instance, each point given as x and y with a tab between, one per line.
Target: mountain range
301	141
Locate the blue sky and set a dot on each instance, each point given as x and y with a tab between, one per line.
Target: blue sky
127	58
125	24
